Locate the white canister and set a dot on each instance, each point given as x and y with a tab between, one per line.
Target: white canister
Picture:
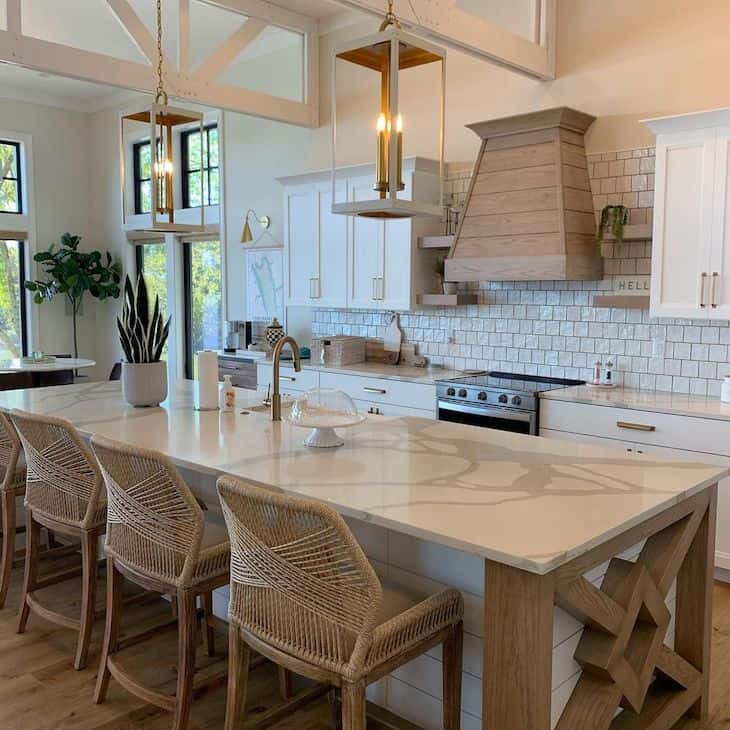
206	387
725	394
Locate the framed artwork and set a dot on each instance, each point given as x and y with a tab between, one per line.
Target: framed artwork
265	284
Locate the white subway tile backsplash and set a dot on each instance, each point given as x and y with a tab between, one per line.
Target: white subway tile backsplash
550	327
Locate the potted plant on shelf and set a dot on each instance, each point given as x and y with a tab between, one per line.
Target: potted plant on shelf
73	273
613	218
447	287
144	374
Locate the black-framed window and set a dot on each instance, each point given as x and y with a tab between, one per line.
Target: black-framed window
142	173
200	167
11	183
203	299
13	314
151	261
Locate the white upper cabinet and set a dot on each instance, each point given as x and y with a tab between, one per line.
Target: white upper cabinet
343	261
691	241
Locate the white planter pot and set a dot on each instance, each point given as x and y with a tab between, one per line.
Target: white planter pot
144	384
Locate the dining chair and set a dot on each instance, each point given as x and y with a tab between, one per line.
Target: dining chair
304	595
65	494
12	486
158	537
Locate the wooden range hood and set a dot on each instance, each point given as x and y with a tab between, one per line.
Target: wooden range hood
529	211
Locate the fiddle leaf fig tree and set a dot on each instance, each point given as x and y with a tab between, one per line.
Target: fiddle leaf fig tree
73	273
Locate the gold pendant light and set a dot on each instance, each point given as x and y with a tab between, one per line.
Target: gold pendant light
389	53
162	125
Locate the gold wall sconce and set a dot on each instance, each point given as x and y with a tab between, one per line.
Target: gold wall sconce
264	221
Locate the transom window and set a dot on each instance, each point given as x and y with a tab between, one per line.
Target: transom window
200	167
11	190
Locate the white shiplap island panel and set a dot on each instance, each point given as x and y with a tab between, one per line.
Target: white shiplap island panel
429	501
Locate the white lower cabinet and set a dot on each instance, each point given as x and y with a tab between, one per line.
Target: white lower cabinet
616	428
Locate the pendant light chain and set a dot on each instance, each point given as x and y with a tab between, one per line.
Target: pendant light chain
161	93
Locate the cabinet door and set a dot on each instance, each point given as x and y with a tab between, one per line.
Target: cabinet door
719	288
682	240
300	239
366	286
330	287
397	259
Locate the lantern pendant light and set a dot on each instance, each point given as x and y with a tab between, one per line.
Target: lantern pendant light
389	53
163	125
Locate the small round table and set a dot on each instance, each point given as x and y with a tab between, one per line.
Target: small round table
58	372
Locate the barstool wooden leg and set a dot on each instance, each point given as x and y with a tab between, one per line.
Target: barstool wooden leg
8	542
89	559
208	632
239	656
452	658
187	622
353	706
32	542
286	691
114	583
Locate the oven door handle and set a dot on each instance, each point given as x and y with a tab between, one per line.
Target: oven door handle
506	413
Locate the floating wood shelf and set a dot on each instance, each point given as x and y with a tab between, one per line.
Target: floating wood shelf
435	241
621	301
637	232
447	300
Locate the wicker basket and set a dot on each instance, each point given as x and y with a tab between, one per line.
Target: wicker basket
340	350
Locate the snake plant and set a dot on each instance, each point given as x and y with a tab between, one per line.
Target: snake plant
142	336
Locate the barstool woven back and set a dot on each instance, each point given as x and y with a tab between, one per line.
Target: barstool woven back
299	580
10	449
154	523
64	481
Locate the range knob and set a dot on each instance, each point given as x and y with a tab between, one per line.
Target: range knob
463	393
482	396
503	398
516	401
450	392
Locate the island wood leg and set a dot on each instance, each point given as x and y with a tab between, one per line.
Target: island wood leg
518	649
693	633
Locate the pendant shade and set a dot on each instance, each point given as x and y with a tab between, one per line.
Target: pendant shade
246	236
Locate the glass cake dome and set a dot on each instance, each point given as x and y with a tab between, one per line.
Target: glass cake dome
323	410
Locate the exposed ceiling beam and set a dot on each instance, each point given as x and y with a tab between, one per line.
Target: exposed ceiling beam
12	14
268	12
135	28
218	61
466	32
99	68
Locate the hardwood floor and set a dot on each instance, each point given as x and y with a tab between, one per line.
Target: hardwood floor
40	690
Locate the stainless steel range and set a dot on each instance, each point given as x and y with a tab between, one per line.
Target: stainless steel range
505	401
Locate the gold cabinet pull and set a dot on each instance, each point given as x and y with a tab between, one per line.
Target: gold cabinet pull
713	303
635	426
287	377
381	391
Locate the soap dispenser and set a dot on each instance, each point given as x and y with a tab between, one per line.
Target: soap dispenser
227	395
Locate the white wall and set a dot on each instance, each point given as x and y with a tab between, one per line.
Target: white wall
62	193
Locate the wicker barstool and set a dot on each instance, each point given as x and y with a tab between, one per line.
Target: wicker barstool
304	595
65	494
157	537
12	486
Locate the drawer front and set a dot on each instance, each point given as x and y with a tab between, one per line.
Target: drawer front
289	379
373	410
626	424
421	396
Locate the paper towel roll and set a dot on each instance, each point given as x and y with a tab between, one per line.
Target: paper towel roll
206	387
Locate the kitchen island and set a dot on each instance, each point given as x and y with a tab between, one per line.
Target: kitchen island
559	631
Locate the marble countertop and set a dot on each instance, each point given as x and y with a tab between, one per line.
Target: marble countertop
655	401
408	373
525	501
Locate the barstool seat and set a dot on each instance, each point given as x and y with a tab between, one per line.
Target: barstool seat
159	537
304	595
